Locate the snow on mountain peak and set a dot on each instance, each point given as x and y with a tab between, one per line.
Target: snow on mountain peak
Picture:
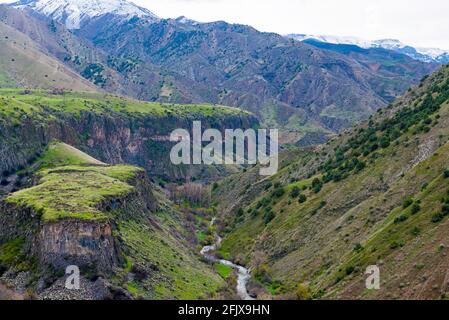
185	20
417	53
73	12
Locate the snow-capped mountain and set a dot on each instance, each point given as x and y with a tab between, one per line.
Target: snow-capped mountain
417	53
73	13
185	20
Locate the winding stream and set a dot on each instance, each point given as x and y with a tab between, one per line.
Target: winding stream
243	274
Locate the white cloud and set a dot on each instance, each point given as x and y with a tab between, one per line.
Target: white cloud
417	22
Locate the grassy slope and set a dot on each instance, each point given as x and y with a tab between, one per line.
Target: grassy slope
181	275
14	105
72	184
328	241
24	64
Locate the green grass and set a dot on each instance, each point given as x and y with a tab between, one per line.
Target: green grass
201	236
15	104
73	184
11	251
61	154
180	275
224	271
71	192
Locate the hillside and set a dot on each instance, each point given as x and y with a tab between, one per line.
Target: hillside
261	72
112	129
117	223
297	87
127	239
24	64
375	195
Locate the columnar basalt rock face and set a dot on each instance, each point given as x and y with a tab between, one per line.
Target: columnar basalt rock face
87	244
80	243
20	144
113	138
17	222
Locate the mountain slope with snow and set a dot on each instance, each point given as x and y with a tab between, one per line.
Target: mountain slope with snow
417	53
73	13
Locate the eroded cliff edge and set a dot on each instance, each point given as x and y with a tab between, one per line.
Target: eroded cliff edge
112	129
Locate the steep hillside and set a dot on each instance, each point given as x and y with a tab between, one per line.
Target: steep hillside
113	129
294	86
265	73
375	195
126	238
23	63
58	42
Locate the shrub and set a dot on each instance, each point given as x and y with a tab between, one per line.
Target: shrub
317	185
349	270
415	208
295	192
407	203
358	247
279	192
445	209
268	185
262	273
302	292
384	142
416	231
400	219
446	173
437	217
268	217
302	198
360	166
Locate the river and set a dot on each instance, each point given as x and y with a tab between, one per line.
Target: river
243	276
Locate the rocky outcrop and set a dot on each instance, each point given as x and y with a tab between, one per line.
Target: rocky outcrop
20	144
113	138
88	244
17	222
75	242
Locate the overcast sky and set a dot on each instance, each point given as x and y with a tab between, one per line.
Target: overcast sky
416	22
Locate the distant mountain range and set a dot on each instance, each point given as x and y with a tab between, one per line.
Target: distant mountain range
417	53
308	91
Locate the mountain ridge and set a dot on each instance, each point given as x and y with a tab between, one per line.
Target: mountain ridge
417	53
74	13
